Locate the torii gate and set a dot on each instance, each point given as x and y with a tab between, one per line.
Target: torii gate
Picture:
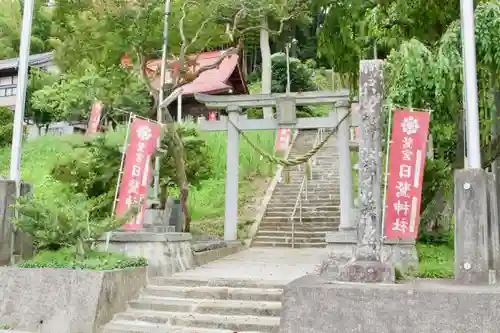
287	118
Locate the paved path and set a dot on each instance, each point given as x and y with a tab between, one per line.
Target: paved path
270	264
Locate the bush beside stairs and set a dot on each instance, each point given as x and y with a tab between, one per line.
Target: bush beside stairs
184	305
321	210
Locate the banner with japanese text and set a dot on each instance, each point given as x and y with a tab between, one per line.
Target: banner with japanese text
282	139
407	154
95	118
136	176
212	115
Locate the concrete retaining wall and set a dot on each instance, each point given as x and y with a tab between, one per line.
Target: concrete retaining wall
314	305
167	253
63	300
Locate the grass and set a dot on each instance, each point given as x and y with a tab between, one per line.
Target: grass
94	260
435	261
206	202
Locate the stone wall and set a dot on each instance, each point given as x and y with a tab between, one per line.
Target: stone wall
167	253
23	245
63	300
314	305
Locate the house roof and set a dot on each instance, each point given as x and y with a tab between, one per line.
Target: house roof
33	60
211	81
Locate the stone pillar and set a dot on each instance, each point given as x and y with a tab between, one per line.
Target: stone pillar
472	255
345	169
366	264
232	165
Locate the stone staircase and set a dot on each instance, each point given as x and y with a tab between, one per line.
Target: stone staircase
189	305
321	210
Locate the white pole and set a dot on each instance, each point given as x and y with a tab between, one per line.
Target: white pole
17	133
179	108
163	69
287	48
22	83
470	84
120	174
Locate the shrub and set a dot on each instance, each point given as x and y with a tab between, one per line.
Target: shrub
57	223
6	121
93	167
300	75
93	260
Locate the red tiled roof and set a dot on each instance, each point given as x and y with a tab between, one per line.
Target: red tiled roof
211	81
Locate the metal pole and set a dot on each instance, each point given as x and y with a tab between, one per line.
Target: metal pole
470	84
17	134
159	118
287	50
22	83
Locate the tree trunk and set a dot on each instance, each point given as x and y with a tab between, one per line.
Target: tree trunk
265	51
180	167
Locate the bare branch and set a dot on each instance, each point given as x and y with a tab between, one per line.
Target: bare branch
190	77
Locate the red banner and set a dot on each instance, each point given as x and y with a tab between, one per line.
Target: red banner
283	139
95	118
212	115
134	185
406	171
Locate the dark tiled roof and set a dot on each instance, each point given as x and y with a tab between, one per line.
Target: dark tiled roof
34	60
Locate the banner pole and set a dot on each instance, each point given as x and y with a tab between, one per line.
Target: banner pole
125	144
386	176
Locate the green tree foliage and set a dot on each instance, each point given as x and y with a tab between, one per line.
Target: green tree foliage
6	120
38	80
10	28
54	224
92	170
71	96
422	76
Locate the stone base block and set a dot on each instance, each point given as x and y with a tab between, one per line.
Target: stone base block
167	253
361	271
313	305
64	300
400	254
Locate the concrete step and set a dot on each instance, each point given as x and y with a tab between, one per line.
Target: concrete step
281	233
313	189
299	228
288	239
305	209
279	204
220	307
282	244
183	319
221	293
312	199
120	326
229	283
305	214
309	220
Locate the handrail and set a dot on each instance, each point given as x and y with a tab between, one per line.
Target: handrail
303	187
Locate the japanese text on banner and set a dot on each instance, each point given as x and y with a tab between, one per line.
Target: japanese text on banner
134	185
406	171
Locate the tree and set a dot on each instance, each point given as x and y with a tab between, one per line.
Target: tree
10	28
430	77
95	164
70	97
6	127
269	18
38	80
